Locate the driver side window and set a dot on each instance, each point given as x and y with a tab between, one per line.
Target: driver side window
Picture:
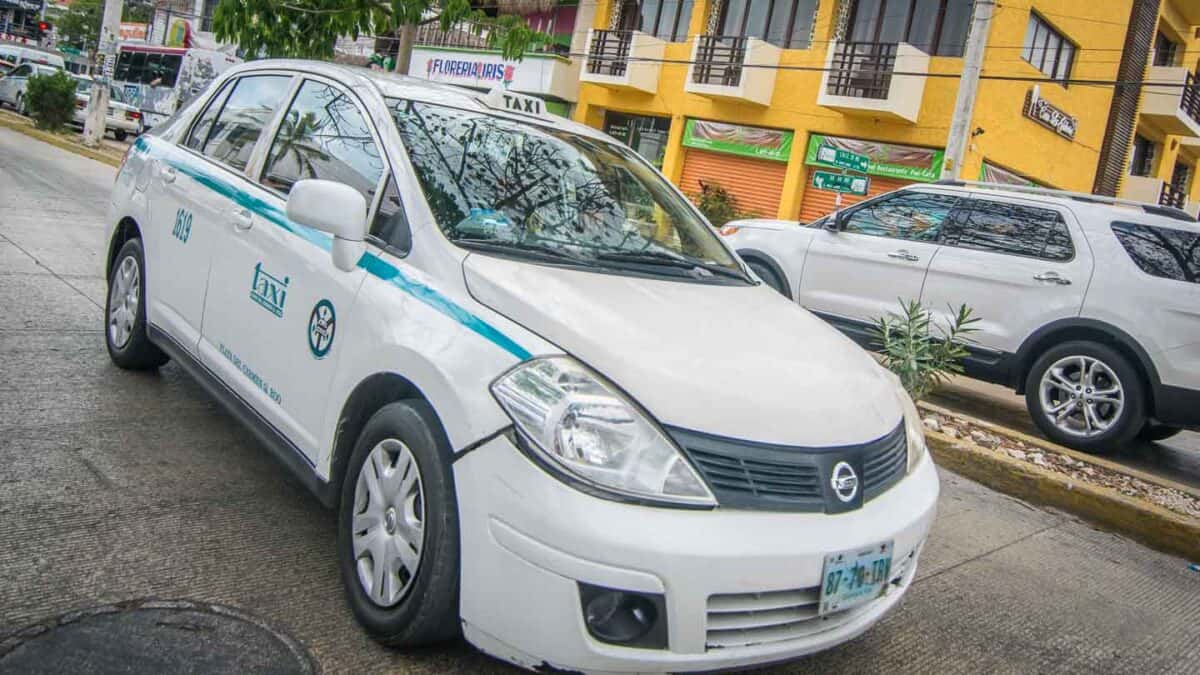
913	216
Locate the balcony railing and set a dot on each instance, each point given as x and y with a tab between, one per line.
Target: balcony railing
1172	196
467	35
609	52
862	69
719	60
1189	102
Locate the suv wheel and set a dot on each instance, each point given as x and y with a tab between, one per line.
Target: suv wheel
20	106
1087	396
768	276
125	312
398	538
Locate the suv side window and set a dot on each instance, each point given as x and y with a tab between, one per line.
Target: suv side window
1014	229
323	135
915	216
199	133
1160	251
248	109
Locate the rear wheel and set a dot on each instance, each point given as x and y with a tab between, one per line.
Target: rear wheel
1154	431
125	312
767	275
120	135
1087	396
398	537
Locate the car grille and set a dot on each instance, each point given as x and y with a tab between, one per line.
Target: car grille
750	475
747	619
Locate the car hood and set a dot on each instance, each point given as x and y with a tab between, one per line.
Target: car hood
735	361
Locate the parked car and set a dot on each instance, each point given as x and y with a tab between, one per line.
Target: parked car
1088	306
531	410
12	86
16	54
122	119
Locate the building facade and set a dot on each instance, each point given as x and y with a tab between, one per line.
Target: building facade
752	94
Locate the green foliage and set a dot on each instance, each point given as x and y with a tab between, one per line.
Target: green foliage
51	100
309	28
919	350
79	26
719	205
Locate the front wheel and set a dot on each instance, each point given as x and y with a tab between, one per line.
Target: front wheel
1087	396
125	312
767	275
398	537
120	135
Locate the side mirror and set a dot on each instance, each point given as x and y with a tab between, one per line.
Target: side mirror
836	222
335	208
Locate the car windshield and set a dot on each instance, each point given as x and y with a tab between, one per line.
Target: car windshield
504	186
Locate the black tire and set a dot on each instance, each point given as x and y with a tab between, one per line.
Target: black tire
137	352
427	613
1121	429
767	275
120	135
1154	431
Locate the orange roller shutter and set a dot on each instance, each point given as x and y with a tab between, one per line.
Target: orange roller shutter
757	184
817	203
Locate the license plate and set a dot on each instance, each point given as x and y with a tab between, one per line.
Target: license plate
853	577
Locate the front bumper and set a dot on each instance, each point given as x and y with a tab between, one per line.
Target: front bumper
528	539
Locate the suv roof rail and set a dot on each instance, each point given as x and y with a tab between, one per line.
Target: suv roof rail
1154	209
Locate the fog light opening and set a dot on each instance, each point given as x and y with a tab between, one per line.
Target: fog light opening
624	618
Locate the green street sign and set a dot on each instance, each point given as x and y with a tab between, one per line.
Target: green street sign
843	158
840	182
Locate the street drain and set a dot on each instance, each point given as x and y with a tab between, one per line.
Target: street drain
153	637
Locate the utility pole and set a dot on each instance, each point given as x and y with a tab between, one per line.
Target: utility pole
968	85
106	56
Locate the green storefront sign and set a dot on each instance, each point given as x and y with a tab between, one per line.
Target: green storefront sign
841	182
884	159
735	139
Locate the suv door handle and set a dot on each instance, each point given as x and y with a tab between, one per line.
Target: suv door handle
903	254
242	219
1053	277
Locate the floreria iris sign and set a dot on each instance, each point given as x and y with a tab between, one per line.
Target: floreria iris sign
482	71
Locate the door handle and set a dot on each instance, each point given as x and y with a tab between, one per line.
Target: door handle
903	254
168	174
1053	277
242	219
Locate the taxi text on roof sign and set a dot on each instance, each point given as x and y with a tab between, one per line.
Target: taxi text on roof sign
502	99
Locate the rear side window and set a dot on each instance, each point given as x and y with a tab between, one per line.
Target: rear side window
1160	251
248	109
1013	229
323	135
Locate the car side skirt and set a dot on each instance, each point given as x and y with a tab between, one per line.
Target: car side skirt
284	450
982	364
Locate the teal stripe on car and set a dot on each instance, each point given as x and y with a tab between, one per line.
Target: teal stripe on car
373	264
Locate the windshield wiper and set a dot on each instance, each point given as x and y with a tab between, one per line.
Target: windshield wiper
536	251
662	258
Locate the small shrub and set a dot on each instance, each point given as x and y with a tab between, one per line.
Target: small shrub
922	353
719	205
51	100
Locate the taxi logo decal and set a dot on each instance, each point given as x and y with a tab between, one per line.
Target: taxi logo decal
268	291
321	326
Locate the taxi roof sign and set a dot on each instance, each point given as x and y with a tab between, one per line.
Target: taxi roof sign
510	101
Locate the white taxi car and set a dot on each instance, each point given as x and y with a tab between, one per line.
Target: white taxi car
513	357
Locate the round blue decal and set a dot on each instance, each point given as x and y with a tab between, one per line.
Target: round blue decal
321	325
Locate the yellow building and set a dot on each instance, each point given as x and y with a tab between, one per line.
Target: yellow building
752	94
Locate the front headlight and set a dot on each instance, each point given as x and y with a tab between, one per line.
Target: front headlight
914	429
583	426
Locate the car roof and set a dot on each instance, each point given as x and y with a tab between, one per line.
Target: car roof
1089	213
394	85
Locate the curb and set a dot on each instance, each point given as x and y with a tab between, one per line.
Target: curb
23	127
1147	523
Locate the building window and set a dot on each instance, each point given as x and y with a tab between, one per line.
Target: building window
664	19
936	27
785	23
1047	49
1165	50
1142	162
646	135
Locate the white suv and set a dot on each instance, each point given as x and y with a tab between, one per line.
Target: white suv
499	343
1089	306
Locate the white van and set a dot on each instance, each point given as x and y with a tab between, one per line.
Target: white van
554	412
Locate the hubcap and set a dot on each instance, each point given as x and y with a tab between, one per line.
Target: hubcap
123	297
1081	396
388	527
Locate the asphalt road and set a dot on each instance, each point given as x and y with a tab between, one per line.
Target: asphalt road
116	486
